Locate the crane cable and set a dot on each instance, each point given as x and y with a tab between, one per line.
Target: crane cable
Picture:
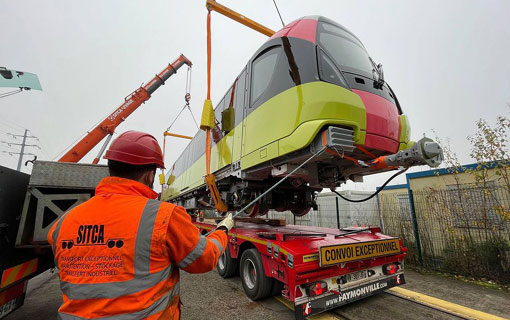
187	98
277	10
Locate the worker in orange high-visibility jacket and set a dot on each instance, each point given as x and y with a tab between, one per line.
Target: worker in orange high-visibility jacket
119	253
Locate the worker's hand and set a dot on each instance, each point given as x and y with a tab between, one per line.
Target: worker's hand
226	223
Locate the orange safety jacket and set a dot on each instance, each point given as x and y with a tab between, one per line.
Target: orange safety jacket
119	254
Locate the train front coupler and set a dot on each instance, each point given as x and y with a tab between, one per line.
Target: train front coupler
424	152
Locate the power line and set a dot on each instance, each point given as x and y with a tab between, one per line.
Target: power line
4	132
43	147
8	158
5	124
14	123
10	93
7	146
23	145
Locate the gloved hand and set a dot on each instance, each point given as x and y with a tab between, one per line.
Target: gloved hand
227	223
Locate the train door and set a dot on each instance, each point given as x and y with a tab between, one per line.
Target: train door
258	126
239	98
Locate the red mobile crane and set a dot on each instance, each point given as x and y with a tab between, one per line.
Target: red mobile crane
53	188
131	103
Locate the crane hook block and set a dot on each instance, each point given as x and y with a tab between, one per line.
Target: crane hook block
207	121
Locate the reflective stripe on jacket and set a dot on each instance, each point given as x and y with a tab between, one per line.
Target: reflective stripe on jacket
119	254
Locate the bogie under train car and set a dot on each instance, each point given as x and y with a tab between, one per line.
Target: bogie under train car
311	81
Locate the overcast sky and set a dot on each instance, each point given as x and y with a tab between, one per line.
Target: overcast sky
447	61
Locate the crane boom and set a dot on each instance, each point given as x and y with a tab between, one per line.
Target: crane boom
130	104
212	5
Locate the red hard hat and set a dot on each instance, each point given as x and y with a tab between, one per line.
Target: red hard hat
136	148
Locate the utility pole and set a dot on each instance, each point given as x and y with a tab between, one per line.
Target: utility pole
23	144
22	150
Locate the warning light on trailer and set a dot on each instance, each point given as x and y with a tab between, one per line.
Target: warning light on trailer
317	288
391	268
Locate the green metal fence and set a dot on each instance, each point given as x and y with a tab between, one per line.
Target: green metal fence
462	229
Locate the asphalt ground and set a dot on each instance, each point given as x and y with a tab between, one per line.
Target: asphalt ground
208	296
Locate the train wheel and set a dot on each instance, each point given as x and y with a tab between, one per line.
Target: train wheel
255	283
263	213
253	210
227	266
300	212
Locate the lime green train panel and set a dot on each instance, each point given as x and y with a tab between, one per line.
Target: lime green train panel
283	115
226	149
285	123
405	133
280	116
237	141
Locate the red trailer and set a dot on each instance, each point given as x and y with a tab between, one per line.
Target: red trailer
314	268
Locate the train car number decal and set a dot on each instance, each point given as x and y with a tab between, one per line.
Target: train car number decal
336	254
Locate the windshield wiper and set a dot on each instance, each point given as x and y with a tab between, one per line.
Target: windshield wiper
378	74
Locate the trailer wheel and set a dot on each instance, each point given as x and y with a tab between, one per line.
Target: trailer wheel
255	283
227	266
276	288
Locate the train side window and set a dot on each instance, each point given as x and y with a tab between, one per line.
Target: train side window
198	145
219	108
228	98
191	157
216	132
187	157
178	167
261	73
239	97
227	115
194	149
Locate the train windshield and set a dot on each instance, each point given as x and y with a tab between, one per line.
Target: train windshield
345	49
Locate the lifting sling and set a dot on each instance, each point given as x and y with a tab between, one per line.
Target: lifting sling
206	124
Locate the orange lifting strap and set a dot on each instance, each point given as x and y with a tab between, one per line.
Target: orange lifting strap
206	124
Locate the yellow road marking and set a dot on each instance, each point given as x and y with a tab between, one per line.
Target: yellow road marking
285	302
418	297
320	316
444	305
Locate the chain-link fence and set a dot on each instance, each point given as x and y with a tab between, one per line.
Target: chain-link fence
461	229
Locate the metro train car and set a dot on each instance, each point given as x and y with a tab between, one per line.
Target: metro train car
311	81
